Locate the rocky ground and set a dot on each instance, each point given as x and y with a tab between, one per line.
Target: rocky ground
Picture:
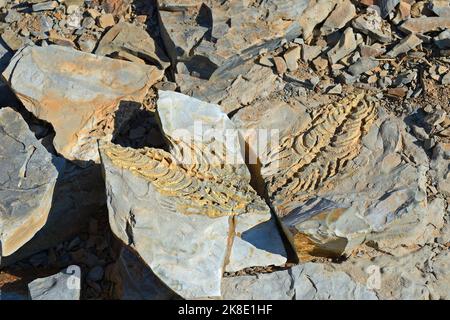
98	202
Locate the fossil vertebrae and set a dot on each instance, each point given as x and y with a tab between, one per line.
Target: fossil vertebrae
306	160
191	191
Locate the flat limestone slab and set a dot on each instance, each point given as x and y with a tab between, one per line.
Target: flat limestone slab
27	179
78	93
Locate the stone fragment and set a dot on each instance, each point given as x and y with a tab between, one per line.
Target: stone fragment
399	92
320	63
126	37
265	61
404	9
371	51
215	224
316	12
406	44
343	13
425	24
65	285
45	6
373	25
28	178
310	52
442	40
12	40
446	79
386	6
291	56
345	46
212	37
280	65
116	7
90	97
362	65
106	20
440	163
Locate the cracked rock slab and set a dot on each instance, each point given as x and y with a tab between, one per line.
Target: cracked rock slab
27	179
85	97
189	221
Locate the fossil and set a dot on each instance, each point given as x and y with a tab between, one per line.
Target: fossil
192	192
306	160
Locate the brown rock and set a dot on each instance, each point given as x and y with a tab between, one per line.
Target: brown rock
399	92
280	65
116	7
291	56
106	20
404	9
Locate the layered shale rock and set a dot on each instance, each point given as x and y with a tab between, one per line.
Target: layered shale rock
210	37
190	220
65	88
27	179
347	174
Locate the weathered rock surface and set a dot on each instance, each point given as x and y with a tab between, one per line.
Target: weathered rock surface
343	13
418	275
212	37
185	220
78	195
440	164
27	182
346	45
348	145
63	86
65	285
133	43
310	281
408	43
373	25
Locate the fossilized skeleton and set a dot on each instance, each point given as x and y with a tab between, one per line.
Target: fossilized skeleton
306	160
190	191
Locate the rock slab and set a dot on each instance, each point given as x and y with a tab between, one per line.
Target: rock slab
27	181
64	87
